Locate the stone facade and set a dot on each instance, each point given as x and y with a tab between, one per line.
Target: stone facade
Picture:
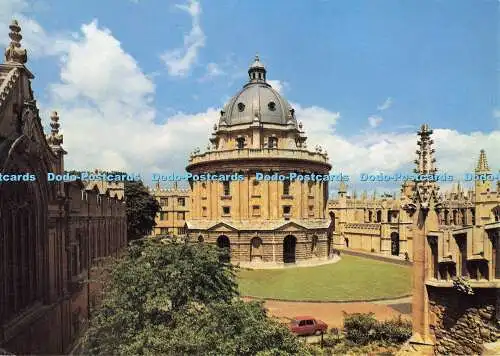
50	233
260	221
175	205
460	323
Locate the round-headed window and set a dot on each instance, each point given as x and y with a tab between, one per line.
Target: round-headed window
241	107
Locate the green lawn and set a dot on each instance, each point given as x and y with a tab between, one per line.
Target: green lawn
352	278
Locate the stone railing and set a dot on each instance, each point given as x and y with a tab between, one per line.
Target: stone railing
259	154
358	227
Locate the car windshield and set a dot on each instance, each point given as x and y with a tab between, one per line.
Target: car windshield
294	321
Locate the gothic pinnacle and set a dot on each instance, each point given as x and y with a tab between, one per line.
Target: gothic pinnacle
14	53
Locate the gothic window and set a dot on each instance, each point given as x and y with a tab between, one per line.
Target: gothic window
379	216
204	211
21	215
181	201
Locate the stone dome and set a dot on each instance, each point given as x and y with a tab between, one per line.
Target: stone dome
257	102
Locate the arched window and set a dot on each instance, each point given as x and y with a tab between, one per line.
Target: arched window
240	142
272	142
286	187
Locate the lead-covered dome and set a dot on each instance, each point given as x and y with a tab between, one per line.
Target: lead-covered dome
257	102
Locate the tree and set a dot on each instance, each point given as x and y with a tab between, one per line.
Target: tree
141	210
172	297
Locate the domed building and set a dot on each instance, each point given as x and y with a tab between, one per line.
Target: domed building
260	221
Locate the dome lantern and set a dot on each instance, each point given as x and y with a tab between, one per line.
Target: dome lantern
257	71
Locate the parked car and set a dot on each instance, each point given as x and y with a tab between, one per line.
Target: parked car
307	325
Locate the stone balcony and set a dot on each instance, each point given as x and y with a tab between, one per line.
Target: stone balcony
257	153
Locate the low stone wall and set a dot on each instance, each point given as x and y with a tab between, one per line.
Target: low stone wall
462	323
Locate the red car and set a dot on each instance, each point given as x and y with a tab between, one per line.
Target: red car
307	325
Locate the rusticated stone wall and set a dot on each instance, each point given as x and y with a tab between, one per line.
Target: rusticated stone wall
462	323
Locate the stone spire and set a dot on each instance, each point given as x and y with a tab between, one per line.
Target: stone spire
482	163
425	159
257	71
426	192
14	53
55	138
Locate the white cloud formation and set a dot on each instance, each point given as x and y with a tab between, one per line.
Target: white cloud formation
35	38
109	121
375	120
180	60
385	105
212	70
279	85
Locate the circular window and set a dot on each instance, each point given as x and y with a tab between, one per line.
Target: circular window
241	107
272	106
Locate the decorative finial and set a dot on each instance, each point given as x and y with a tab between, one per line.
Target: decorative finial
14	53
482	164
55	139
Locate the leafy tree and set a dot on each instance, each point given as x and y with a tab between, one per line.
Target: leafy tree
169	297
141	210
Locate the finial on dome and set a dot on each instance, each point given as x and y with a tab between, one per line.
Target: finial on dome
14	53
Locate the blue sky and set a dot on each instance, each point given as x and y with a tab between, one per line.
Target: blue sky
372	70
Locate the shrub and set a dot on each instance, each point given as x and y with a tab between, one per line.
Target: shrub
360	328
394	331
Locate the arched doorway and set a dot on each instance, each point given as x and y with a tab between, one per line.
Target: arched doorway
256	249
395	244
289	247
223	243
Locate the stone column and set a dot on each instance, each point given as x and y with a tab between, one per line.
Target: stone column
420	299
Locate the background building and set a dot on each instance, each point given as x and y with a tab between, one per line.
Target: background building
175	204
51	234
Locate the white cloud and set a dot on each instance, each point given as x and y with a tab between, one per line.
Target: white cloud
496	113
108	119
374	121
180	60
35	39
279	85
385	105
104	102
212	70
